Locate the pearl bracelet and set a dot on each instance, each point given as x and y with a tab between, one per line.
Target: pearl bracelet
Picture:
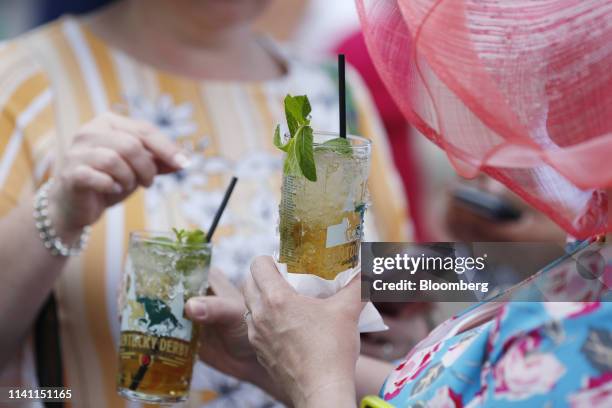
45	227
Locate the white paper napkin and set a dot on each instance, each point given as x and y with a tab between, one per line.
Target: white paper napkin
310	285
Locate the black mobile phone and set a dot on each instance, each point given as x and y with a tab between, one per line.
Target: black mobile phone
485	204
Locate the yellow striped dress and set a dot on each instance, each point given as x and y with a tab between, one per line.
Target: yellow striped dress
60	76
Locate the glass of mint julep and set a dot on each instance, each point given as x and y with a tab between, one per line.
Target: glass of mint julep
158	345
324	195
321	221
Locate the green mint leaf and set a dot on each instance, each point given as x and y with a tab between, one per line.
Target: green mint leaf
339	145
277	140
304	104
189	248
304	152
297	109
292	114
300	154
291	166
180	234
195	237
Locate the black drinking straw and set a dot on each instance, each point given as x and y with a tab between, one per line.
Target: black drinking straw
342	95
142	370
219	213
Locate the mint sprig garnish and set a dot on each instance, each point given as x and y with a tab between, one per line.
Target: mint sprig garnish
299	149
300	146
194	237
187	244
305	153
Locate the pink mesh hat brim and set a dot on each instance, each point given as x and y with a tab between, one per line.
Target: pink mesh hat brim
518	89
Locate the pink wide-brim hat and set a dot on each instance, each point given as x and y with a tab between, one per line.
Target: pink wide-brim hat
519	89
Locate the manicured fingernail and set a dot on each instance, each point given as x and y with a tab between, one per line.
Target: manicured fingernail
117	188
181	160
197	309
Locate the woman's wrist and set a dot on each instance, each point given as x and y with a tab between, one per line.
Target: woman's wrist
50	230
331	392
339	393
261	379
60	218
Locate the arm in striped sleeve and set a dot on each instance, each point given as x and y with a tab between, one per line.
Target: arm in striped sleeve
28	269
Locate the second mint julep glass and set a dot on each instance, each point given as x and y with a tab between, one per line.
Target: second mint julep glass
158	344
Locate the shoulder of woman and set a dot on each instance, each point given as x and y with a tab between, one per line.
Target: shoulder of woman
22	58
15	54
22	78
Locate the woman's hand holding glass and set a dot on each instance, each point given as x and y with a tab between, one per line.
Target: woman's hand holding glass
299	349
309	346
224	344
109	157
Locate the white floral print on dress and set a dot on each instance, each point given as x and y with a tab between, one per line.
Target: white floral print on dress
173	120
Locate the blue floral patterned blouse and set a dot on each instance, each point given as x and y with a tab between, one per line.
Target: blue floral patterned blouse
544	353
